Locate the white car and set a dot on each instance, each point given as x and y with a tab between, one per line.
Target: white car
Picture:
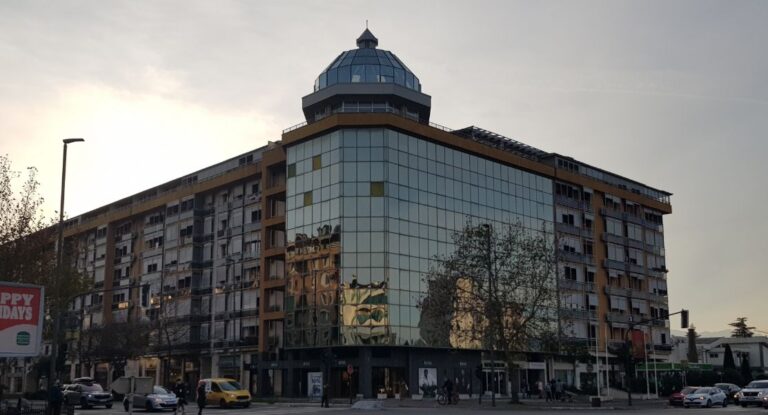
753	393
706	397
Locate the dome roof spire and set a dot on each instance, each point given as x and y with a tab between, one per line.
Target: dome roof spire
367	40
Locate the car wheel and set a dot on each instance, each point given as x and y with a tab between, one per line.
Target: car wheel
725	403
223	403
84	403
686	406
743	405
109	406
247	404
709	403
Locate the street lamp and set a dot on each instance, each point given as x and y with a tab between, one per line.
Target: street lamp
215	290
59	258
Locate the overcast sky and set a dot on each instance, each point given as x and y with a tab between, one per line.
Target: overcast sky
672	94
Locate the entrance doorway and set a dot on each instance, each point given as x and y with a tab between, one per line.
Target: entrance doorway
387	380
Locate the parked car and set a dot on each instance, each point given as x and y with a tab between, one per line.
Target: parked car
676	398
87	395
158	400
706	397
753	393
226	393
731	391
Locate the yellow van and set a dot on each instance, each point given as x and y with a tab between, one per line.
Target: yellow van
226	393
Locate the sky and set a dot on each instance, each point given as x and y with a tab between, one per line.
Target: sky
671	94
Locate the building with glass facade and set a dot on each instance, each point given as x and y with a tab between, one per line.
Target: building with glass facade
309	255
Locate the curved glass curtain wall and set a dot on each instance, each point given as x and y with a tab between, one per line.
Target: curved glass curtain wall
367	65
367	211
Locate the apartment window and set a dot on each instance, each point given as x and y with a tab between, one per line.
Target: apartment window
634	232
612	202
307	198
117	274
587	223
317	163
101	233
151	268
567	219
616	252
172	210
614	227
255	188
155	219
635	256
377	189
292	170
586	197
663	338
590	276
255	215
587	247
186	231
570	273
188	204
276	269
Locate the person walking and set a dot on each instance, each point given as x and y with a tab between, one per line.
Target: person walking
448	386
548	391
200	397
540	387
324	401
181	392
54	399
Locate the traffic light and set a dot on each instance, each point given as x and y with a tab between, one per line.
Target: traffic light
479	372
684	319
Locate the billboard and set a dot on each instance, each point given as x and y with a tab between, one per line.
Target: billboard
21	319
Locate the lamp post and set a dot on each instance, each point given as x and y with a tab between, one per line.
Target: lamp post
215	290
59	258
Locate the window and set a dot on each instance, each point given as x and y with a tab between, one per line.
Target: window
307	198
590	277
614	227
255	188
616	252
570	273
317	163
634	232
377	189
255	215
151	268
567	219
587	245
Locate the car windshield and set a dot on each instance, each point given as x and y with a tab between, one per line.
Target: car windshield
159	390
758	385
702	390
687	390
92	388
230	385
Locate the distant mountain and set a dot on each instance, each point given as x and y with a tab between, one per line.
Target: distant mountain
720	333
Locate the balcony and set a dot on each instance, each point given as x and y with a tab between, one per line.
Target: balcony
612	213
616	239
578	314
614	317
573	230
576	257
623	292
576	285
612	263
573	203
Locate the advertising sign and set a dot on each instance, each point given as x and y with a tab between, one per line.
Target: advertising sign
21	319
315	384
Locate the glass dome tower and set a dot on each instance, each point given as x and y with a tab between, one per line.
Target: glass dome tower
367	79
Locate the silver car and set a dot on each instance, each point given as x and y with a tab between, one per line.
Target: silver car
158	400
705	397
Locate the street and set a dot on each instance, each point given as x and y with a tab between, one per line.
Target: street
461	410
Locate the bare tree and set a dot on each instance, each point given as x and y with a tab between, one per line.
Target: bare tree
693	352
497	291
118	343
169	330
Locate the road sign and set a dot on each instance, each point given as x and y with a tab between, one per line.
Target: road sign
350	369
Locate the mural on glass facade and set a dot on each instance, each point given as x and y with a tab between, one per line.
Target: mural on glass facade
375	207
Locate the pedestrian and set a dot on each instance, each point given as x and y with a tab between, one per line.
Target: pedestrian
200	397
524	389
54	399
324	401
548	391
540	387
560	390
181	392
448	386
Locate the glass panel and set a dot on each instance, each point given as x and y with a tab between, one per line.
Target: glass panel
372	73
344	75
399	76
358	73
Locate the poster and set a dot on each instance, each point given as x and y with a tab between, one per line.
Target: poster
315	384
428	381
21	319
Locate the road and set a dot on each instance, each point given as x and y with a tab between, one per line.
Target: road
468	410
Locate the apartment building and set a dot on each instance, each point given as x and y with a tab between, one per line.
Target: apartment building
308	255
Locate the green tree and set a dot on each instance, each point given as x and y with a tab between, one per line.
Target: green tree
740	328
693	352
728	362
496	291
746	371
